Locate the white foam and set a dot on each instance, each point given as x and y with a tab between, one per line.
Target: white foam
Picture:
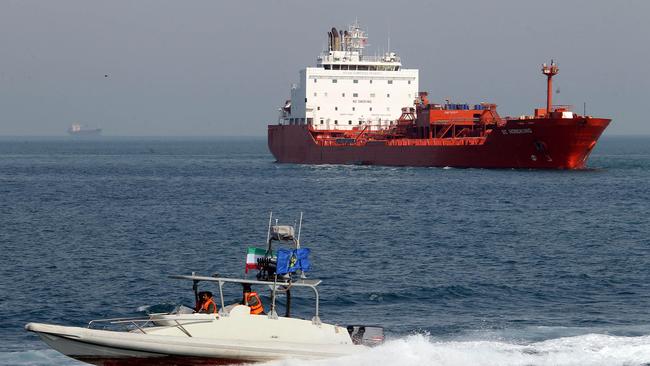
418	350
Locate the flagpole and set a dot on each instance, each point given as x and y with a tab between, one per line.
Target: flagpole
268	233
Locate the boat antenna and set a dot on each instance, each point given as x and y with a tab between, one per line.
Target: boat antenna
299	229
268	232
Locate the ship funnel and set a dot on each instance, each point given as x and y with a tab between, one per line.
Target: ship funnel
550	71
335	39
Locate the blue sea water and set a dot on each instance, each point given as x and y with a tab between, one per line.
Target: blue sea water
461	266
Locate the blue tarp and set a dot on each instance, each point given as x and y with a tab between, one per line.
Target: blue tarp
291	260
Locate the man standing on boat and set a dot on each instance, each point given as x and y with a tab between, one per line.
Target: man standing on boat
252	300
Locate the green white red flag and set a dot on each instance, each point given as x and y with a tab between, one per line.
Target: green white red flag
252	256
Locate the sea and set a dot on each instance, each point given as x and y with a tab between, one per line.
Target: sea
460	266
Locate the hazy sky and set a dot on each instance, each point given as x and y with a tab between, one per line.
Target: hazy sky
222	68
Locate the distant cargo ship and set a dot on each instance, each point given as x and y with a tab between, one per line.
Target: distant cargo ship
357	109
81	130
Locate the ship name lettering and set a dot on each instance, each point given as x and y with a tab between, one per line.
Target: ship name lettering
519	131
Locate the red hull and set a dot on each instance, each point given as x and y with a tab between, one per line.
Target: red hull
538	143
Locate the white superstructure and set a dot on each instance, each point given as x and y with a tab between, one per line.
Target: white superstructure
347	89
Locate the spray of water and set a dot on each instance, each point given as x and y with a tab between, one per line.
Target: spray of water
418	350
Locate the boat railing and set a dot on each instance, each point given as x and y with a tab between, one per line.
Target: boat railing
142	323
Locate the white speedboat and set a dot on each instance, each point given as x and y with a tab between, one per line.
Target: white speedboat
233	335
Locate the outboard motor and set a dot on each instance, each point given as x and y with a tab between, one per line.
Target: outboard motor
367	335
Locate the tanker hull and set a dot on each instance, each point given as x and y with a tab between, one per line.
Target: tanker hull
536	143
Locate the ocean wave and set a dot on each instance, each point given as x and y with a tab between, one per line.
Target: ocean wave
416	350
43	357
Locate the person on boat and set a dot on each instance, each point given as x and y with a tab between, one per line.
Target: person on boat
207	303
199	300
252	300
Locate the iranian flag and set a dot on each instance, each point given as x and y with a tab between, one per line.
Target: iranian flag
252	256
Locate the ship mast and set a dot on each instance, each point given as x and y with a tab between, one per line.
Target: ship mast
550	71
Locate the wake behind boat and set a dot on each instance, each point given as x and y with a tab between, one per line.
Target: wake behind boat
233	334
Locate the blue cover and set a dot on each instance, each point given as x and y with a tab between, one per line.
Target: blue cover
291	260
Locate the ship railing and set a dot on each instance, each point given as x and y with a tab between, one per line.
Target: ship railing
436	141
380	58
350	58
458	141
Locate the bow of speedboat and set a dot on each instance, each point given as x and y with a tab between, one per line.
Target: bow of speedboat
77	343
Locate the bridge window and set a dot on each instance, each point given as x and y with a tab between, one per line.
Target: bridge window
350	122
334	81
387	95
372	95
318	108
343	95
336	108
370	81
355	81
359	122
409	82
321	121
336	121
315	94
370	109
390	81
353	109
314	80
355	95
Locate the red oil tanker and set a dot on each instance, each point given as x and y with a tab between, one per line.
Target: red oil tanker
436	135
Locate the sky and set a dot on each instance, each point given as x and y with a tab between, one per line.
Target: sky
222	68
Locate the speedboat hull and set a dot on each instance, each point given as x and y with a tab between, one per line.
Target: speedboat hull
106	347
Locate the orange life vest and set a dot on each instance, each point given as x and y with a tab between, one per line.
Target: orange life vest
254	302
205	307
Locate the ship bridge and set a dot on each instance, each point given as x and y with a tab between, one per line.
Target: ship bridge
344	60
350	90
